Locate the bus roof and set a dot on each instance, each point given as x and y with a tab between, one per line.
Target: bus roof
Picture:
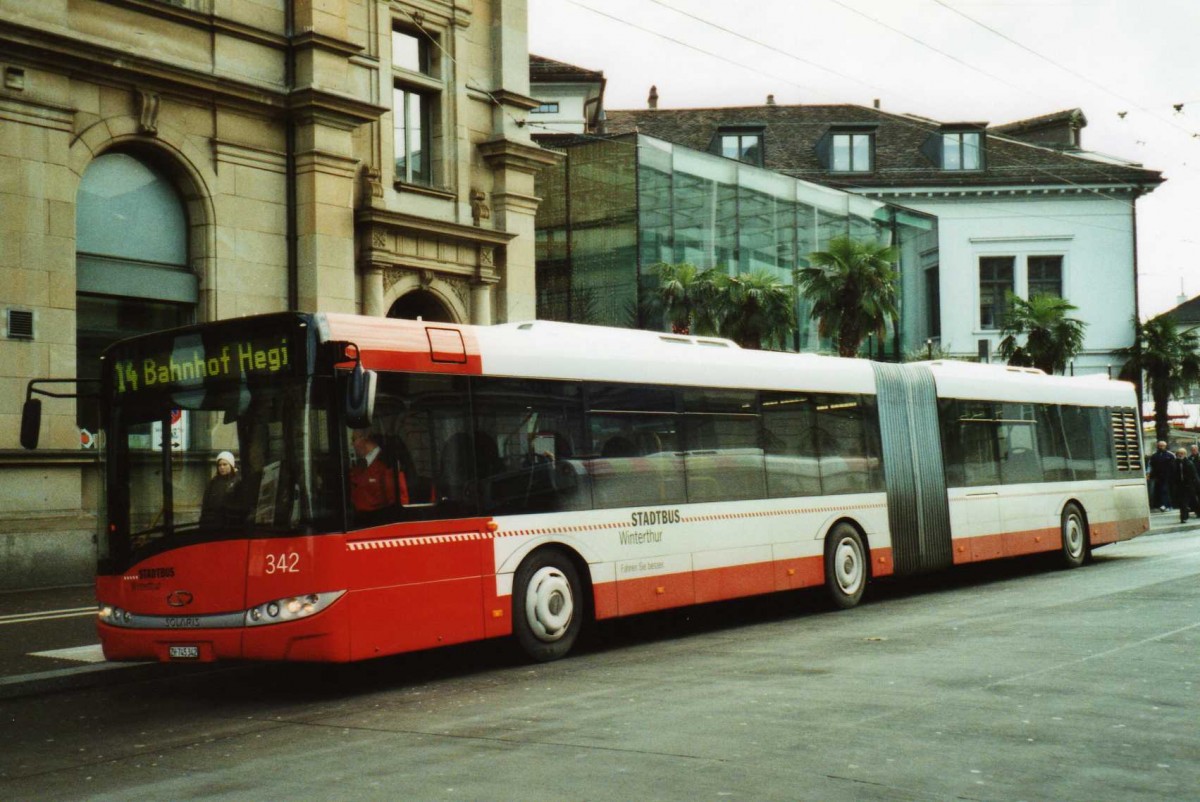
554	350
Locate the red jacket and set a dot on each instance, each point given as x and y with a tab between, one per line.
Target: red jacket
373	487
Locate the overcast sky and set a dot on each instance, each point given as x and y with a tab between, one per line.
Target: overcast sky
1125	63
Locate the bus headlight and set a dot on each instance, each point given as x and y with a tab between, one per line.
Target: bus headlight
291	608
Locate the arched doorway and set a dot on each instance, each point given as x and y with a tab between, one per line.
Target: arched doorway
422	305
131	260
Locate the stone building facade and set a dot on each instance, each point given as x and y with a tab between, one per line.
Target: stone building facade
172	161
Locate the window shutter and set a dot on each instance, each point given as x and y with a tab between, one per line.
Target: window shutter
932	148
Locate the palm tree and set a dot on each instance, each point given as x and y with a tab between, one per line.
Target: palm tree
754	309
684	297
1051	338
1169	360
852	289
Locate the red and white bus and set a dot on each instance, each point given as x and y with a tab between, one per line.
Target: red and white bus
531	477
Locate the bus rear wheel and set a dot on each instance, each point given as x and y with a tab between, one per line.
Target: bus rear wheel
547	605
1074	537
845	566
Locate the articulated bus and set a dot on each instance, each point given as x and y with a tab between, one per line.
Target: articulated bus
539	476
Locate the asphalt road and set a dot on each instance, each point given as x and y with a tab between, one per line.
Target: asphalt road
1012	681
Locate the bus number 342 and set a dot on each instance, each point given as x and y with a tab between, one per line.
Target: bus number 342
283	563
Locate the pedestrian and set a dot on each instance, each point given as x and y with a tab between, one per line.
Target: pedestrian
1185	484
220	505
1160	463
1194	458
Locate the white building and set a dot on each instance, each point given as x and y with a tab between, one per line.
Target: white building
1021	208
571	98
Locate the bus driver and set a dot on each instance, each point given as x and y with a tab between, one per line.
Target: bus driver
374	484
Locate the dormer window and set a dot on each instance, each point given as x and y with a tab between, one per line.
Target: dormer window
958	149
744	143
962	150
848	149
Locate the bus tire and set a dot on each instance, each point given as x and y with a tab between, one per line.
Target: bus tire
548	606
846	566
1074	536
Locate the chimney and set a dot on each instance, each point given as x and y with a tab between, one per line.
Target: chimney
652	101
876	102
770	100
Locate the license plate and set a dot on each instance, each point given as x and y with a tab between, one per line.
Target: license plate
183	652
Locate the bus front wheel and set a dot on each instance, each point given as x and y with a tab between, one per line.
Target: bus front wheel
547	605
845	565
1074	537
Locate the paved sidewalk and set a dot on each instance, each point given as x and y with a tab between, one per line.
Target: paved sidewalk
48	638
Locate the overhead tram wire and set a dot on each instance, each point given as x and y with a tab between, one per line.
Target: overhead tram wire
928	46
775	49
1059	66
953	58
698	49
899	118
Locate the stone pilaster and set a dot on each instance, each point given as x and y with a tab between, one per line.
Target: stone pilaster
514	207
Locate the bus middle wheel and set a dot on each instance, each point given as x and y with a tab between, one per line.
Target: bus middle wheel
846	566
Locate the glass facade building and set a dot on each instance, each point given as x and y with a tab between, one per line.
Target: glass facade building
614	208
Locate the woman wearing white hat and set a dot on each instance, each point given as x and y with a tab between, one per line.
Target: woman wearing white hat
220	499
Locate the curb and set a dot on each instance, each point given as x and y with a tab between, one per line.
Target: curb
1172	529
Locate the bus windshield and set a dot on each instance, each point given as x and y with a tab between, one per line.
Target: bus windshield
214	433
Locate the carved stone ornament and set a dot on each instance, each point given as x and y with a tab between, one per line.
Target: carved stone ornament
147	112
379	239
487	257
479	207
372	184
461	289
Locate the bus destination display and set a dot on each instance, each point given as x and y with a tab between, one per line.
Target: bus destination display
188	365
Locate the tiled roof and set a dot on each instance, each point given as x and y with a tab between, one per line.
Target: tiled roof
792	133
547	70
1186	314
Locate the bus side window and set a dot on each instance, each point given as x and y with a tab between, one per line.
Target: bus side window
952	452
637	431
791	452
724	456
842	444
1052	444
978	436
1020	462
526	431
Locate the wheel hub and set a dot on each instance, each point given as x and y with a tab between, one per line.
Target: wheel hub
549	605
849	566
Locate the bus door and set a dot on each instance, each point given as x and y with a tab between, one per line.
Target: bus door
918	512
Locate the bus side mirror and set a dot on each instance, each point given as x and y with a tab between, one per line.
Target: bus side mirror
31	423
360	398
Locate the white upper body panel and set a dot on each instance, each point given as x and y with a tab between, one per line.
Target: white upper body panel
569	351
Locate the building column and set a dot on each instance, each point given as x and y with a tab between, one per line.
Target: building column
514	166
325	110
481	303
372	289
